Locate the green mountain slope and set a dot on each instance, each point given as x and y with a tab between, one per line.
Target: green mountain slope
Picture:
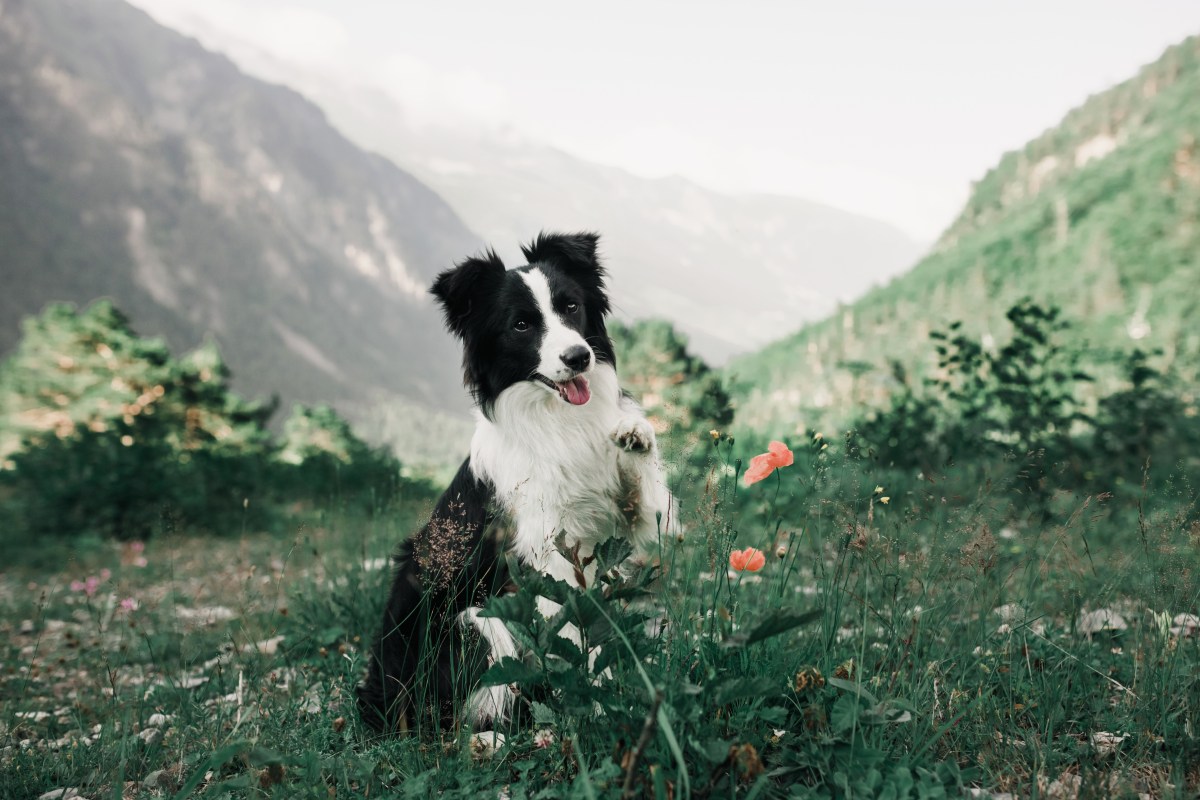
138	166
1100	215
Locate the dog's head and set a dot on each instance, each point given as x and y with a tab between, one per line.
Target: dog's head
541	323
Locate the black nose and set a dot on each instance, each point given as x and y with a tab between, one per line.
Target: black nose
576	357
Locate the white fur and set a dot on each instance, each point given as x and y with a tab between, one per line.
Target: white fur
556	467
490	702
558	338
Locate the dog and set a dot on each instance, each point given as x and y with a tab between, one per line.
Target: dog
560	461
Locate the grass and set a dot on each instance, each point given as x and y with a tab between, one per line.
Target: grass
936	642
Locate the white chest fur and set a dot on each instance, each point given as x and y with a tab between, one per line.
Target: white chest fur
555	468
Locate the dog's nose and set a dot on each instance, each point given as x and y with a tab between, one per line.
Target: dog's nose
576	357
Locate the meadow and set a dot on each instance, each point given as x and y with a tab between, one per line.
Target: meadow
935	641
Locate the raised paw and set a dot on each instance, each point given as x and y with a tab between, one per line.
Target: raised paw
633	434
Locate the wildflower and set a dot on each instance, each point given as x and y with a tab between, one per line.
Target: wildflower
808	678
777	455
878	490
715	434
90	585
747	760
885	500
749	560
543	738
780	551
129	604
135	554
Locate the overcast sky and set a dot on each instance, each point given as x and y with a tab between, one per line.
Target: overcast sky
884	108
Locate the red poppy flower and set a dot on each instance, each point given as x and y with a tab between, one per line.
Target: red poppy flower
749	560
777	455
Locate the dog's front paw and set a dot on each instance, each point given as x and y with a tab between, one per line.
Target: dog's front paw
634	435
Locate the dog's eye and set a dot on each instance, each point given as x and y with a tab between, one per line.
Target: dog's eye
572	308
521	325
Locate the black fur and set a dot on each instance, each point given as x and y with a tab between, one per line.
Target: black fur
482	302
423	662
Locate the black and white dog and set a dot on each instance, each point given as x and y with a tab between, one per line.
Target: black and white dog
559	453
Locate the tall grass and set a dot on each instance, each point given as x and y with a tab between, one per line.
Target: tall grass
938	640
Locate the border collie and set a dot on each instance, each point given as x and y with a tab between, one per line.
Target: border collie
558	451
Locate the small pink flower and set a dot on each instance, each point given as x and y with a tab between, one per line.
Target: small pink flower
105	574
88	586
140	561
778	455
543	738
749	560
137	547
129	604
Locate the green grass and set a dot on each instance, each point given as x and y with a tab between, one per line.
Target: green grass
913	683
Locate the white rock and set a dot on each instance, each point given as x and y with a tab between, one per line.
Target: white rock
266	647
70	793
207	615
33	716
151	736
1009	612
158	721
1102	619
192	681
984	794
1106	743
1185	625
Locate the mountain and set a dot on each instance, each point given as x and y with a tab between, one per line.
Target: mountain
136	165
731	271
1100	216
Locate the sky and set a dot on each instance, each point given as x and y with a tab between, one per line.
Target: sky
888	109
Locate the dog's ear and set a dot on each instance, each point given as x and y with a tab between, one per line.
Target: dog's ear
575	254
456	288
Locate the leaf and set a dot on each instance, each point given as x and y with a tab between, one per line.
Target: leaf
516	608
857	689
714	750
214	762
565	649
735	689
543	714
611	553
844	714
773	625
262	757
510	670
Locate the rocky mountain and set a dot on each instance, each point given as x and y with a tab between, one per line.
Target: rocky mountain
1100	216
136	165
732	271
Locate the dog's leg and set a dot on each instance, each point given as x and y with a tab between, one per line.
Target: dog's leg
646	502
489	704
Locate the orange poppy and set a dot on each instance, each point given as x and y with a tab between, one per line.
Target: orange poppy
749	560
777	455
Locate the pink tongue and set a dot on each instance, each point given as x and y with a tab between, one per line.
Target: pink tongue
576	391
